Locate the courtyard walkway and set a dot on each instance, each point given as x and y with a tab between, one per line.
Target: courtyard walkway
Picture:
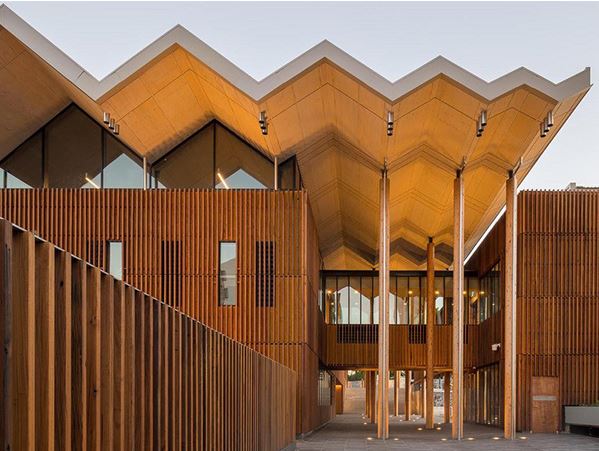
348	432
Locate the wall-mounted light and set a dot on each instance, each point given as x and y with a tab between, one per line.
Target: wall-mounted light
550	119
389	123
106	118
222	180
111	123
543	132
481	123
117	129
263	123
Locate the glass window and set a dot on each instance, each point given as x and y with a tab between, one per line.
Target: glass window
189	165
343	300
23	167
367	300
73	151
122	168
228	273
355	298
115	259
331	300
402	300
393	300
448	284
375	300
414	300
238	165
439	301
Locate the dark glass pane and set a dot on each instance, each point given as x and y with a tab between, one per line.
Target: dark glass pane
289	176
402	300
122	168
238	165
439	301
74	151
330	300
23	167
190	165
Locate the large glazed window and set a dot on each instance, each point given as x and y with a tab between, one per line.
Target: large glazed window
238	165
23	167
122	168
73	149
189	165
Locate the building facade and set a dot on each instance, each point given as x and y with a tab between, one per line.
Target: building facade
321	216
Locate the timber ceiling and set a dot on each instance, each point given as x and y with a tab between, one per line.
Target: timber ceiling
333	120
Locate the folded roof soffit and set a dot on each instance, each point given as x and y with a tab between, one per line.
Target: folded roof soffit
323	99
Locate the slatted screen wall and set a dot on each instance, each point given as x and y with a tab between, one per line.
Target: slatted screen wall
557	293
171	246
92	363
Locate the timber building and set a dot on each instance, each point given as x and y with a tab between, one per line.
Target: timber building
321	218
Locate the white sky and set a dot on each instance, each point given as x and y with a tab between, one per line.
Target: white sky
555	40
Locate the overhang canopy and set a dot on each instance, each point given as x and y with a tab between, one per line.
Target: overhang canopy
326	108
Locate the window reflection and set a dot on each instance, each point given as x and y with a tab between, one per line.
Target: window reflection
23	167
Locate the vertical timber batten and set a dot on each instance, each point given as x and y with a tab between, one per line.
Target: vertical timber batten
509	366
430	327
383	386
457	421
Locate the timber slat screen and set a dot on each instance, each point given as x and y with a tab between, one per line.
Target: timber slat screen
170	240
91	363
557	295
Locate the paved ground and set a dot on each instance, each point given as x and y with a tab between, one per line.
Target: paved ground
348	432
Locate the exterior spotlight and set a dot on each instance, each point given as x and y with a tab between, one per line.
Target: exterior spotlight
106	118
543	131
550	119
389	123
546	125
111	124
481	123
262	122
479	128
117	129
483	118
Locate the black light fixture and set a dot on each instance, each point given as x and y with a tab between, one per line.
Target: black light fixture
263	123
481	123
389	123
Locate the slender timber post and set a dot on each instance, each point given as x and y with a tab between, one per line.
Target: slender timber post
373	397
446	397
457	420
383	386
509	341
276	174
396	394
408	394
430	330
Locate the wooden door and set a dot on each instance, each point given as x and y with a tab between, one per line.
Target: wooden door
338	399
545	404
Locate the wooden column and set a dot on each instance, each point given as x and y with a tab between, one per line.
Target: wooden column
446	396
366	382
383	379
509	341
372	397
396	394
457	420
430	330
408	394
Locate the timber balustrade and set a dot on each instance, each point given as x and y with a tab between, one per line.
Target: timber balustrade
89	362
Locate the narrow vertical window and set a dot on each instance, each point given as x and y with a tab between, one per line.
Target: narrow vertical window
115	259
227	283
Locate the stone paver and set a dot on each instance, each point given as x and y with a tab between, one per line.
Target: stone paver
348	432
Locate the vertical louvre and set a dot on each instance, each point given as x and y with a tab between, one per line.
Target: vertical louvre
171	272
265	273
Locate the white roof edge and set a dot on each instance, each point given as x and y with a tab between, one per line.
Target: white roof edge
259	89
